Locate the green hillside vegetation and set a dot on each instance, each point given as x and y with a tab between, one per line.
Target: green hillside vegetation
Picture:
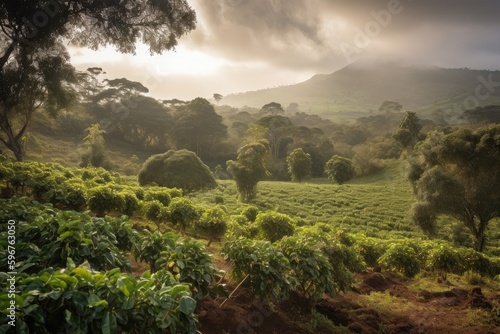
349	93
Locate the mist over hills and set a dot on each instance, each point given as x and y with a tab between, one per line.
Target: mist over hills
362	86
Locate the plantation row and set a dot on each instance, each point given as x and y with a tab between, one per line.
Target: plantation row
75	266
72	266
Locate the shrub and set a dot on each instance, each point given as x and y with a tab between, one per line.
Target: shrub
150	246
299	164
444	259
370	249
339	169
250	212
274	225
401	258
79	300
177	169
153	212
130	203
103	199
311	270
212	224
191	263
182	212
162	195
266	267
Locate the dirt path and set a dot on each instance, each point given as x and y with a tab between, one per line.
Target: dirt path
380	303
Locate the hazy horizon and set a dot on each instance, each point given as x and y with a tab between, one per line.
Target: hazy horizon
243	45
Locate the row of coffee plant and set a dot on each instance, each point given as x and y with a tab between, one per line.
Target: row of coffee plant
72	273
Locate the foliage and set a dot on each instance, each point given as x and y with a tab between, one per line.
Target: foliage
34	63
444	259
150	246
408	133
339	169
182	212
199	128
274	225
299	164
80	300
95	154
162	195
370	250
103	199
212	224
177	169
153	212
190	262
249	168
54	236
402	258
456	175
250	212
311	272
267	268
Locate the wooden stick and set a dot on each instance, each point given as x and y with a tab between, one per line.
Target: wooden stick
231	294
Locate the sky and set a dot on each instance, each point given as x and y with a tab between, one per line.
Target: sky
244	45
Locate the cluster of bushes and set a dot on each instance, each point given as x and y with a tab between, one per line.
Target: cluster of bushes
313	266
71	266
410	257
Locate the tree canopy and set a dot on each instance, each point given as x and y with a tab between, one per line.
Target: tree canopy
198	128
339	169
299	164
249	168
458	174
34	65
177	169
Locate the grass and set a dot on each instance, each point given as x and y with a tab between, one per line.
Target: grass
371	205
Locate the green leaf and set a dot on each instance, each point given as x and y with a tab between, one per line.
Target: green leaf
108	325
187	305
83	273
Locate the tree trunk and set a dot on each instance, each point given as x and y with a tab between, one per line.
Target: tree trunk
480	237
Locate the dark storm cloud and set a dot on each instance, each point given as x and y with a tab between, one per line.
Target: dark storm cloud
311	35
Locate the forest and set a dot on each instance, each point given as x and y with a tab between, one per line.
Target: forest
122	212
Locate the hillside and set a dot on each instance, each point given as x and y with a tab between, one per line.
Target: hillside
362	87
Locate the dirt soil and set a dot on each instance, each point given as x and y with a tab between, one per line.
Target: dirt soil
420	312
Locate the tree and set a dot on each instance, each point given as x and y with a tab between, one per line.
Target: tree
217	98
458	174
339	169
273	108
278	133
198	128
299	164
33	80
249	168
34	65
177	169
408	133
95	154
390	107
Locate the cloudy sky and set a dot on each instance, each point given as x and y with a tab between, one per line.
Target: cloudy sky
242	45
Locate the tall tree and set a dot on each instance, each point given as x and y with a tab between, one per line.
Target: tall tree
217	98
34	80
408	133
32	33
249	168
339	169
299	164
458	174
198	128
278	134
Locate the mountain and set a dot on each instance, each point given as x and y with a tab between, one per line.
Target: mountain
362	87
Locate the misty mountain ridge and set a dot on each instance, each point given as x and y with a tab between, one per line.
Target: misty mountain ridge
362	86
